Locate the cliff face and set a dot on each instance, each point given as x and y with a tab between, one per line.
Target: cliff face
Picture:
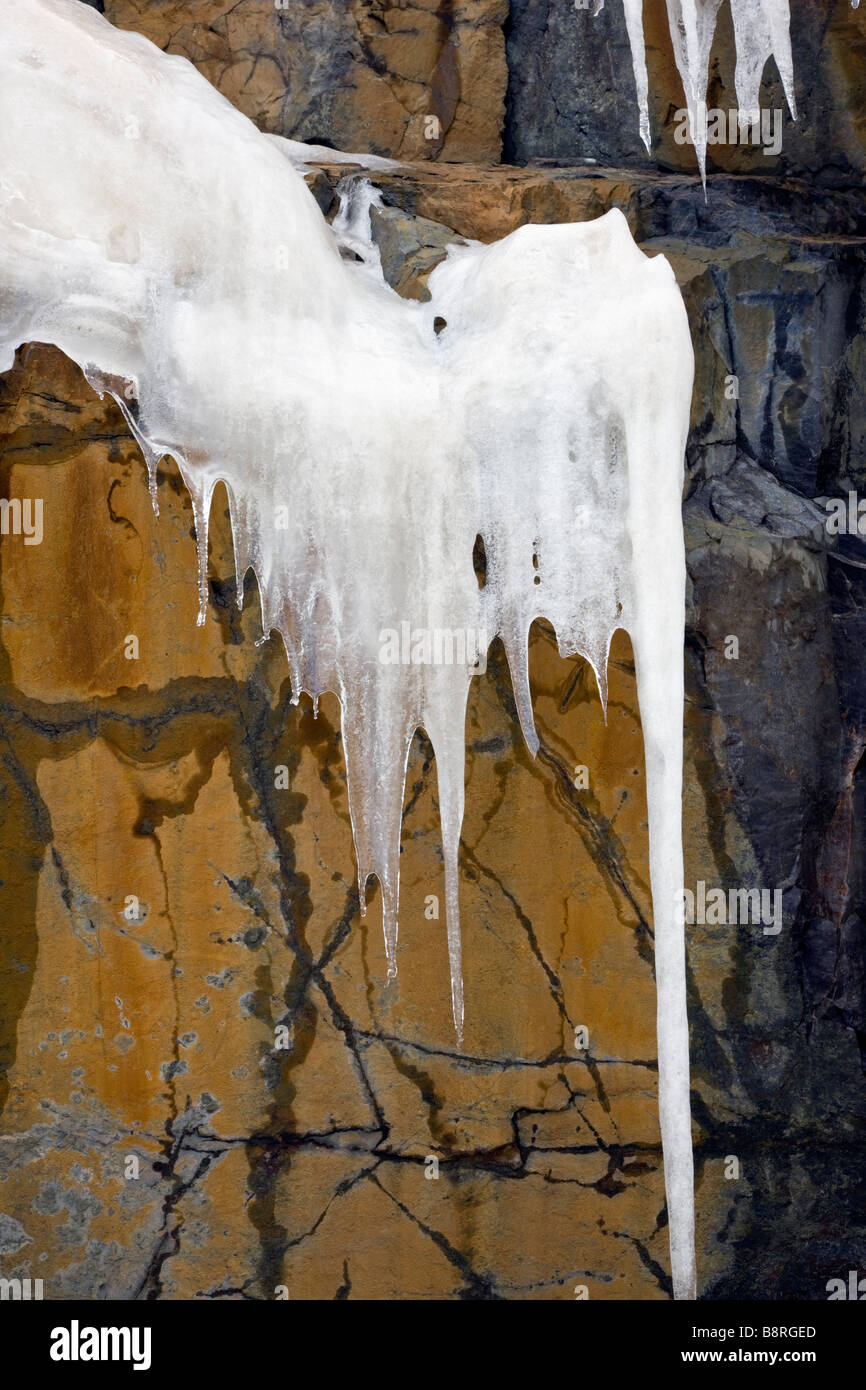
172	896
571	92
355	74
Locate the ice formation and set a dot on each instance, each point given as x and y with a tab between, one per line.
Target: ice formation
149	231
761	31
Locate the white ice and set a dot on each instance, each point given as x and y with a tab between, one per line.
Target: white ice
304	156
149	231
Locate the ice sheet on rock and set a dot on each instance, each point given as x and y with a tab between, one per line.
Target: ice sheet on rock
303	156
351	224
156	237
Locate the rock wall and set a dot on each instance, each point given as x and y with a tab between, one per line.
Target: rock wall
354	74
571	92
169	903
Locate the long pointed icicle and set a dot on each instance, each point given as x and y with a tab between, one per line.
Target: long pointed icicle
634	25
656	624
692	24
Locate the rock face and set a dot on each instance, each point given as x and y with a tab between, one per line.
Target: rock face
571	91
424	80
209	1087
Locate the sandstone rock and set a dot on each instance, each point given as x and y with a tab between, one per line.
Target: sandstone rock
410	248
414	81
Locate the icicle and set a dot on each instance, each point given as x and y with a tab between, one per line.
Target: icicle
761	31
200	496
444	721
518	666
656	618
692	25
634	25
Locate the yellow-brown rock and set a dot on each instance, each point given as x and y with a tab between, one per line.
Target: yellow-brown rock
424	80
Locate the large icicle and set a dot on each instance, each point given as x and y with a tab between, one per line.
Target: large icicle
656	627
155	236
634	26
761	31
692	25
